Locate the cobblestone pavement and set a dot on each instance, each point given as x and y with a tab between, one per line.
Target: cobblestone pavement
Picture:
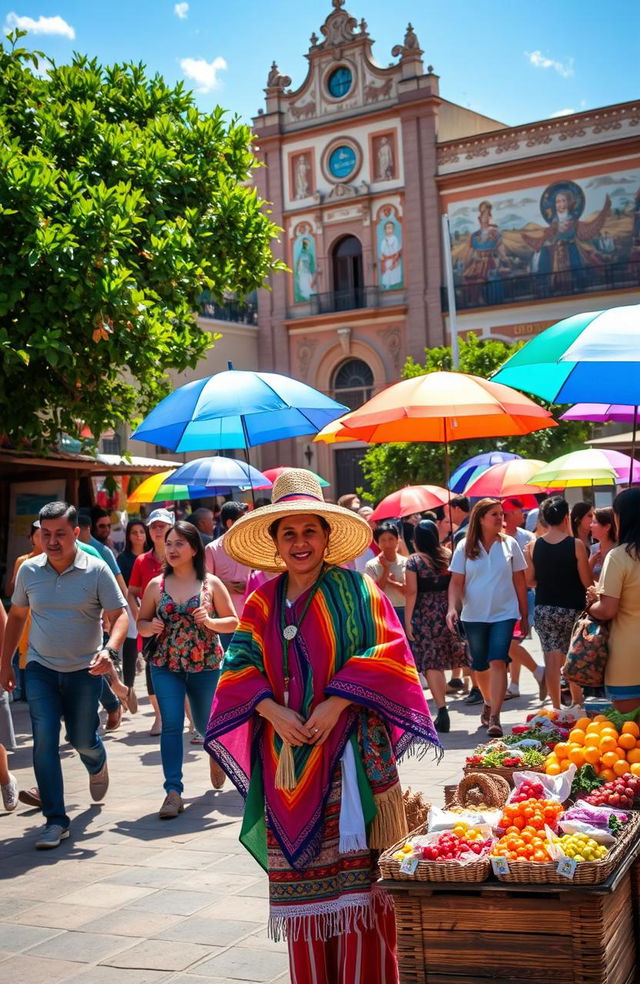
130	899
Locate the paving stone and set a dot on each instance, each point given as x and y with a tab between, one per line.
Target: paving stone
147	877
159	955
58	916
36	970
127	922
240	964
179	903
239	908
106	896
80	947
14	937
118	975
214	932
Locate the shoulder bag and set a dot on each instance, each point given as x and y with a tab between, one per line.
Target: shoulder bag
588	652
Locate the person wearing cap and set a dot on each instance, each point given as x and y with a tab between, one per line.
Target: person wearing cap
513	526
147	566
318	698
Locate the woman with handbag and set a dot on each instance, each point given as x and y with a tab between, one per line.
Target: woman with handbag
616	598
185	609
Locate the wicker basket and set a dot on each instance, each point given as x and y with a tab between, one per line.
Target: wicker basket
432	871
586	873
505	772
416	808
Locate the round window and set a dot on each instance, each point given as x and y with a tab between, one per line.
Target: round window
342	162
340	82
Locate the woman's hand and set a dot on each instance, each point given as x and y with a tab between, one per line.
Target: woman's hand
452	619
524	626
592	594
324	717
156	625
200	615
287	723
409	633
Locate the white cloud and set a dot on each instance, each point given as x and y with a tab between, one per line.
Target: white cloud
43	25
561	112
181	10
204	73
538	60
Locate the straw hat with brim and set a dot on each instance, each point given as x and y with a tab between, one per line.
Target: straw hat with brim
296	492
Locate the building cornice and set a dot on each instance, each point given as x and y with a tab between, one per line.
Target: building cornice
328	322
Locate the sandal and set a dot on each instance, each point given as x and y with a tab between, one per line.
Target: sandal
486	715
132	700
495	728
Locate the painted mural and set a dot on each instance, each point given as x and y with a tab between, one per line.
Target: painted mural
389	240
304	264
567	232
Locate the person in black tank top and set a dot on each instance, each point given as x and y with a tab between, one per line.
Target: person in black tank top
559	570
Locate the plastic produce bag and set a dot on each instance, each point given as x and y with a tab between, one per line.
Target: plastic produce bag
441	820
556	787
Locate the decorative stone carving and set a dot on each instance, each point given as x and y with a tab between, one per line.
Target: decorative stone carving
391	340
373	92
344	337
384	169
275	80
301	172
304	111
306	348
339	27
410	47
343	191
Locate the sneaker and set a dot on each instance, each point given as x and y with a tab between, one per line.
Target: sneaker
10	793
455	685
99	784
171	807
442	722
113	720
475	697
51	836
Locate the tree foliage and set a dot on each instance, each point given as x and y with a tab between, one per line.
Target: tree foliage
388	467
119	203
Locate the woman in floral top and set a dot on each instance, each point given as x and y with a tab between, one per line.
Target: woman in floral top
185	609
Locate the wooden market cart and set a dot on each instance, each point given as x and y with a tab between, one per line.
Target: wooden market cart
461	932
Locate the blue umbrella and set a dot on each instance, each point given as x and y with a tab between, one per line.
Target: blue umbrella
472	468
215	472
237	409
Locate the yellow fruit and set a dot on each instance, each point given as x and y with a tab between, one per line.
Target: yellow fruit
562	749
635	769
608	744
577	736
609	733
609	759
621	768
576	755
594	728
593	739
592	755
583	723
603	718
631	728
552	769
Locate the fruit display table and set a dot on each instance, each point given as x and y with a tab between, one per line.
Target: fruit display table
459	933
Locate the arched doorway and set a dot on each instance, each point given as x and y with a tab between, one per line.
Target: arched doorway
352	384
348	279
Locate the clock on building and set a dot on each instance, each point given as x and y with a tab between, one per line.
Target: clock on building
342	161
339	82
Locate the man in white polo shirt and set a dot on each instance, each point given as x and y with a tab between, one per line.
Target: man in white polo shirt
66	591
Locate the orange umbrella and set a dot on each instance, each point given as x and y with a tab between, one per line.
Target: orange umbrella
507	479
410	499
442	407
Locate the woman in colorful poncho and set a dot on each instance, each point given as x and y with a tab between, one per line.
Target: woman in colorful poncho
318	697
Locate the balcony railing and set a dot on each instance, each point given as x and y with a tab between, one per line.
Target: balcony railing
345	300
541	286
241	312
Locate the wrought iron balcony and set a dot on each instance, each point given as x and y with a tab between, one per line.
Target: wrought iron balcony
345	300
541	286
241	312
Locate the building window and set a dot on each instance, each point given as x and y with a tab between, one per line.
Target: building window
339	82
353	383
342	162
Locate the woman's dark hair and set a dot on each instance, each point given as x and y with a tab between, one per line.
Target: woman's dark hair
427	541
192	535
606	517
127	535
626	506
385	528
554	510
273	529
578	511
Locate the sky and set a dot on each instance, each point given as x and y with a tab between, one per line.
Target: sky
513	62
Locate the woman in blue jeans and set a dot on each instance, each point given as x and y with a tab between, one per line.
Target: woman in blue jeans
488	593
185	609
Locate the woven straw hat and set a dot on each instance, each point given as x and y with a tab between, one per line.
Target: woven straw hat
296	492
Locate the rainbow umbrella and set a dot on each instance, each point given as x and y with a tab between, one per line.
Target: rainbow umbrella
511	478
410	499
160	488
272	473
588	467
472	468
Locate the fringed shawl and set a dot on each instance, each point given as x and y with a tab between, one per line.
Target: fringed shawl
350	644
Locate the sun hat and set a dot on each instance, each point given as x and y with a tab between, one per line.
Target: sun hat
296	492
161	516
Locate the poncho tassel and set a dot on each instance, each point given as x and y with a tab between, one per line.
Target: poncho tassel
286	771
390	822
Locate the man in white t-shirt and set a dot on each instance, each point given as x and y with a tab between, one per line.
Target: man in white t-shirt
388	568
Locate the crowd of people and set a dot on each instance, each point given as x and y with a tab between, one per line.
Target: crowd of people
299	637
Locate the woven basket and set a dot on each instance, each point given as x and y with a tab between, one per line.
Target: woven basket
416	808
505	772
586	873
432	871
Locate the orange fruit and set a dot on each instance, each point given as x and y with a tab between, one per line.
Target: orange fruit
635	769
608	744
553	769
621	753
602	717
577	736
609	759
562	749
626	741
592	755
576	755
634	756
583	723
564	765
609	733
593	739
631	728
607	775
621	768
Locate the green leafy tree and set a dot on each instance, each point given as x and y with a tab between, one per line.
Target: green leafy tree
388	467
119	203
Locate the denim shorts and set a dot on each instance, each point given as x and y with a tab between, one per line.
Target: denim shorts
489	641
623	693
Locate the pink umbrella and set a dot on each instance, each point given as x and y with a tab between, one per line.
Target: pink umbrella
508	479
411	499
626	468
602	413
